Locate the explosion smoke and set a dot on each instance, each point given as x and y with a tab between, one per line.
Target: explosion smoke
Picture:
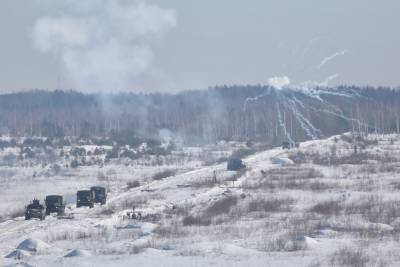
102	44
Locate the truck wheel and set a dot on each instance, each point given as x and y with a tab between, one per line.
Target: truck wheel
47	212
91	206
27	217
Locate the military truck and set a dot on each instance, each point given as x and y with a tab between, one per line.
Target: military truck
85	198
235	164
54	203
100	194
35	210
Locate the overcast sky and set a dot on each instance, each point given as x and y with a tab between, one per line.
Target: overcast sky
196	44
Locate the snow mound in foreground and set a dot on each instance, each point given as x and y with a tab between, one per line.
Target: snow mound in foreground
18	254
282	161
78	253
33	245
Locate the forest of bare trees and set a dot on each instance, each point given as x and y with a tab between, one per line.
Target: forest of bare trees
259	113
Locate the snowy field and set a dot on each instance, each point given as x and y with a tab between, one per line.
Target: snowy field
327	203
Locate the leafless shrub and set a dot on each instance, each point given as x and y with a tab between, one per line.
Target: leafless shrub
136	249
108	210
179	210
387	167
347	138
365	184
196	220
373	168
188	252
172	230
203	182
270	205
374	209
354	159
300	178
289	242
350	256
326	159
304	224
395	185
320	186
369	168
136	201
330	207
299	157
221	206
292	173
132	184
163	174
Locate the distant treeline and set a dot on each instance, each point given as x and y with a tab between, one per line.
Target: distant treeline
258	113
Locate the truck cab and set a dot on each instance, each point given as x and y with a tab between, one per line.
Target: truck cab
54	203
85	198
100	194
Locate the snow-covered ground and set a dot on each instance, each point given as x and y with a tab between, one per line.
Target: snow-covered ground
323	204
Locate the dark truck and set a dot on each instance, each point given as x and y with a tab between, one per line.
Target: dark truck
35	210
85	198
100	195
54	203
235	164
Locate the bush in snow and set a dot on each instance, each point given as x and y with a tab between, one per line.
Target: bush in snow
290	241
196	220
330	207
132	184
269	205
221	206
163	174
349	256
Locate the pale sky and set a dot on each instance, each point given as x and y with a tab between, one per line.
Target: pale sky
215	42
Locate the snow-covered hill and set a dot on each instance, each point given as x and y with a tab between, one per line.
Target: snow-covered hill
329	202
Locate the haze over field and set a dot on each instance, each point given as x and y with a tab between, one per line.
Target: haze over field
179	45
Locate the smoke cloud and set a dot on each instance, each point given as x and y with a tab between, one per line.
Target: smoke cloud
103	44
279	82
324	83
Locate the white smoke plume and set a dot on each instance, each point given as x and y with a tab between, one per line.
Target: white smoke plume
102	44
331	57
279	82
324	83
